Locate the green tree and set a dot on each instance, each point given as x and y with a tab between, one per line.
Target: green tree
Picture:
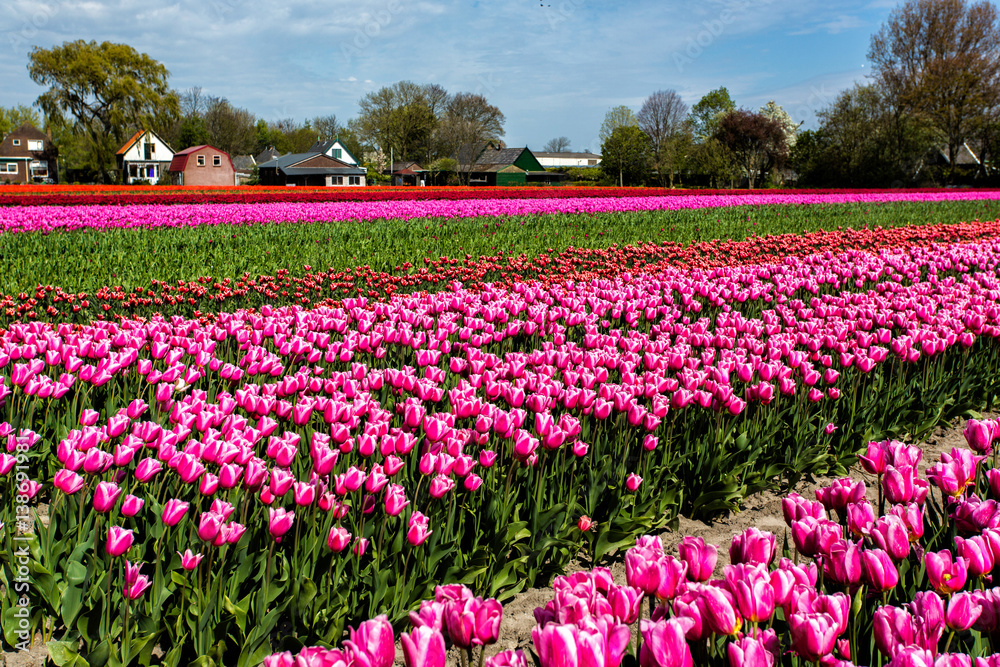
940	59
229	128
192	132
469	124
627	154
756	142
111	90
709	111
14	117
398	118
616	117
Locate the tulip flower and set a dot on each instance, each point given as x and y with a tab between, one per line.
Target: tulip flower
585	523
977	553
173	511
700	557
878	570
749	652
279	522
423	647
750	585
753	546
68	481
964	609
418	531
105	496
209	525
979	436
664	644
338	539
373	643
135	589
516	658
119	541
147	469
813	635
945	573
721	614
132	505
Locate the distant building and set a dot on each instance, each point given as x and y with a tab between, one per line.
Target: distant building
28	156
549	160
335	149
503	166
314	168
407	173
145	157
202	165
244	165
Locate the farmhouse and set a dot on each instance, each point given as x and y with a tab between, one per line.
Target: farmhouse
314	168
503	166
144	157
569	159
28	156
202	165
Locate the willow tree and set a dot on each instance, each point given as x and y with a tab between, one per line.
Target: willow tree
109	90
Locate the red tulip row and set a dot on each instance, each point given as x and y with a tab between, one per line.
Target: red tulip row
204	295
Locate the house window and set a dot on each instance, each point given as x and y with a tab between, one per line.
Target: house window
354	180
40	169
35	145
201	160
336	153
150	150
216	160
17	142
8	167
338	180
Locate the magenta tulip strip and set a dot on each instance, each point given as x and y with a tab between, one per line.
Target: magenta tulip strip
224	486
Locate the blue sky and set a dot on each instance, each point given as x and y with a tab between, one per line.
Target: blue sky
554	67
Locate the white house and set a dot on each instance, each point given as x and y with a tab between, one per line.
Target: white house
569	159
335	149
144	157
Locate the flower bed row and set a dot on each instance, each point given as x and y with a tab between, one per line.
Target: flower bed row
901	583
43	219
338	463
63	195
205	295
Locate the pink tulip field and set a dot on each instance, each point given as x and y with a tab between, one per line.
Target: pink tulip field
303	484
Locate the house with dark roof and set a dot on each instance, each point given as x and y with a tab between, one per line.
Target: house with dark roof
202	165
145	157
310	169
407	173
266	155
28	156
502	166
244	165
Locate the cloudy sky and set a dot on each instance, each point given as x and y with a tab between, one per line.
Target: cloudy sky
554	67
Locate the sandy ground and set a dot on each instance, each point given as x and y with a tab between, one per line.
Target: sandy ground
762	510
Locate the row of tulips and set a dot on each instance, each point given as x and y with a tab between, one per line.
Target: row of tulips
166	195
326	288
320	467
21	219
899	582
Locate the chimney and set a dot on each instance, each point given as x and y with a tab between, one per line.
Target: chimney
48	131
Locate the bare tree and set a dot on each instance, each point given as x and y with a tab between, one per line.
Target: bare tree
469	124
940	59
229	128
557	145
663	118
193	102
327	127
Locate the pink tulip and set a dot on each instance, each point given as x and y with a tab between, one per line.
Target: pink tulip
373	643
516	658
338	539
753	546
751	588
700	557
395	500
119	541
585	523
945	573
423	647
135	589
68	481
721	614
173	511
625	603
209	525
749	652
664	644
813	635
105	496
279	522
418	531
132	505
633	482
889	534
878	570
977	553
963	611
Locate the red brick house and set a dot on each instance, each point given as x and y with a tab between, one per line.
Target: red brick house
202	165
28	156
